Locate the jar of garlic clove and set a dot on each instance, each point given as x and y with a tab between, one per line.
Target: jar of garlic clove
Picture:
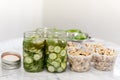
79	59
104	59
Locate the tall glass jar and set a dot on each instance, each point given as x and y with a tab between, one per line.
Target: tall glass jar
33	48
56	52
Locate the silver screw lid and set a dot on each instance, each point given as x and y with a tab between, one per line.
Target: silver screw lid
10	60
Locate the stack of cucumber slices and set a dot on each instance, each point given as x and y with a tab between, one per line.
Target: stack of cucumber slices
56	55
33	57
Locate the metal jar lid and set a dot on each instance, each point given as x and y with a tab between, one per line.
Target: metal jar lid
10	60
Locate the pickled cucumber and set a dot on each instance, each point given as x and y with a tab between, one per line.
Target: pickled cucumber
33	56
56	56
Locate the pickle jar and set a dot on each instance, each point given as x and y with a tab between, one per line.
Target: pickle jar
33	51
56	52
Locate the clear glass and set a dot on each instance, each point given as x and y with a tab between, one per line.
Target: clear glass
33	48
56	52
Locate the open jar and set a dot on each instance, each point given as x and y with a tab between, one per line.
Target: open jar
56	52
33	51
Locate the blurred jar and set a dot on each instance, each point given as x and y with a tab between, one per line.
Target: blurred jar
56	52
33	48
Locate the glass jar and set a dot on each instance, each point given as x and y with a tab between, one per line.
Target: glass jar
56	52
33	48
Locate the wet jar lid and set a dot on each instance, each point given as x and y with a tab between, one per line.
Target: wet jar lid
10	60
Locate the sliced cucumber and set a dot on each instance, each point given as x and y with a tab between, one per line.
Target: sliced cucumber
55	64
38	41
28	60
63	65
37	57
34	68
39	51
25	54
65	59
51	68
33	50
50	48
57	49
52	56
63	53
58	60
59	69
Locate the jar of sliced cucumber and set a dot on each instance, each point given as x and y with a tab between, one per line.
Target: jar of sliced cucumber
33	48
56	53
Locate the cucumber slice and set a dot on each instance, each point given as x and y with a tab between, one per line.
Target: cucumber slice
63	65
57	49
65	59
38	41
58	60
37	57
51	48
59	69
34	68
39	51
52	56
55	64
28	60
63	53
51	68
25	54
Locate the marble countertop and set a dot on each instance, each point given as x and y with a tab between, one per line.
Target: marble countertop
20	74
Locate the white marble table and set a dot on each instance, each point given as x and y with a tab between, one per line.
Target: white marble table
20	74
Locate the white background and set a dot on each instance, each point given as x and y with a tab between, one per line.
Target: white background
18	16
100	18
